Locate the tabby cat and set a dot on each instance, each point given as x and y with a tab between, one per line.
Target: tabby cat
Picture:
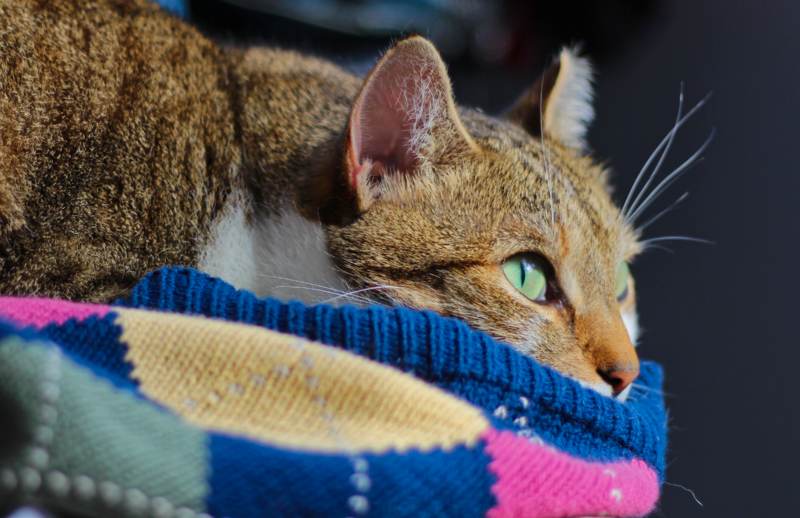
129	141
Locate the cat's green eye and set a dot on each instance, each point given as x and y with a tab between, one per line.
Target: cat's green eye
621	283
527	274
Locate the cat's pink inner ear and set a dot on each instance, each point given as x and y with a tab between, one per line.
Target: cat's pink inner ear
393	117
378	133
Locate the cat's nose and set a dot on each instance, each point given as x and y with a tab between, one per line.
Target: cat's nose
609	348
619	376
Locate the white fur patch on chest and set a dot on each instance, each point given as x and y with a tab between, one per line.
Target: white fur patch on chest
293	260
230	253
283	256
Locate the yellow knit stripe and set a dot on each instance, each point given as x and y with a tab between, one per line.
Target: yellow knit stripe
288	391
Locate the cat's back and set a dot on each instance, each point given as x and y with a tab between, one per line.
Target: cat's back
117	143
86	49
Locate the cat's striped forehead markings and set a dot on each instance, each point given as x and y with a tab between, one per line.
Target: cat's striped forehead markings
574	178
577	197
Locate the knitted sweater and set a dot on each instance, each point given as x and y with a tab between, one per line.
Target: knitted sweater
150	407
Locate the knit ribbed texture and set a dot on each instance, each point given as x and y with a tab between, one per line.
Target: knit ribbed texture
126	412
520	393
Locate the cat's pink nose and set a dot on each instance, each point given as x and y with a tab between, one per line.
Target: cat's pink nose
619	376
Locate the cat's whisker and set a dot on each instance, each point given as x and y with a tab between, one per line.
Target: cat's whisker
311	288
664	184
659	239
644	388
662	187
305	283
667	147
546	157
361	290
626	208
386	287
298	281
362	300
661	214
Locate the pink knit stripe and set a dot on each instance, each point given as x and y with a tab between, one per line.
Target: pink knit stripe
41	312
536	481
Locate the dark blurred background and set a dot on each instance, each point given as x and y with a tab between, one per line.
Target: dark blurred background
718	317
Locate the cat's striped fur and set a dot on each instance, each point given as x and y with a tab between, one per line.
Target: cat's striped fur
129	141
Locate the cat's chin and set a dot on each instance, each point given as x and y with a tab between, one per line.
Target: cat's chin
605	390
623	396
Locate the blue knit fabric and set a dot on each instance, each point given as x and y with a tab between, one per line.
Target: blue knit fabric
94	342
179	7
400	482
447	353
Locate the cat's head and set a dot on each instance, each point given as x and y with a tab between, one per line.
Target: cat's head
502	222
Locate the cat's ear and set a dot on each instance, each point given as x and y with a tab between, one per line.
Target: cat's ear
403	119
559	104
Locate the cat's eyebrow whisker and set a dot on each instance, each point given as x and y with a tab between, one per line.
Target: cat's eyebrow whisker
545	155
658	247
661	214
664	184
626	207
651	240
671	134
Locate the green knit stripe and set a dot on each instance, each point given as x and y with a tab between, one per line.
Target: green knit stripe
86	446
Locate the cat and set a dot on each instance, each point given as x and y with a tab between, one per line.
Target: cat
129	141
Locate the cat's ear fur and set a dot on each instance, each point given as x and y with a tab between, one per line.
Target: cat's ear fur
403	119
559	104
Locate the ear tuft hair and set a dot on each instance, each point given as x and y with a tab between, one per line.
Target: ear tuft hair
559	104
569	109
